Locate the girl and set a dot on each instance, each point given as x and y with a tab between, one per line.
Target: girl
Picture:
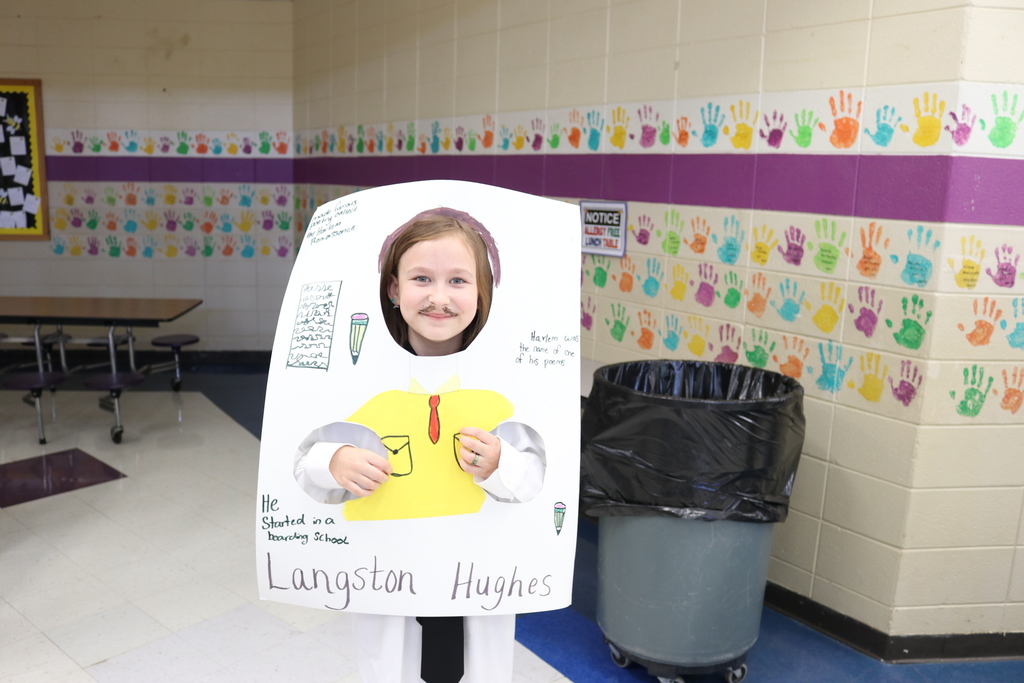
435	289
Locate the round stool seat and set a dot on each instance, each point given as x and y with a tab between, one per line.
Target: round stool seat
174	340
33	381
115	381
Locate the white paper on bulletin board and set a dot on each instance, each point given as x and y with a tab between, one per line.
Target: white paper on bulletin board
332	354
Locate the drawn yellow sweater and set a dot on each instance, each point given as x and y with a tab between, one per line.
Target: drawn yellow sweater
420	432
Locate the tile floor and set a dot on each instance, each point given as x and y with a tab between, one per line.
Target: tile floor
151	577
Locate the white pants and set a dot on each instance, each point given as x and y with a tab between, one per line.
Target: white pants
388	648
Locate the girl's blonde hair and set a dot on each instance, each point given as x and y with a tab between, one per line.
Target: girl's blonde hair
430	225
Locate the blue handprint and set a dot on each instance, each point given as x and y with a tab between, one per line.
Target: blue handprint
435	139
885	125
149	197
148	246
225	223
131	141
732	244
670	336
831	377
712	120
595	122
792	300
652	285
245	195
248	246
506	137
1016	337
58	246
917	270
130	224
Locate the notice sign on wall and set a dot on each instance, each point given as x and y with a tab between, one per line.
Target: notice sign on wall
604	228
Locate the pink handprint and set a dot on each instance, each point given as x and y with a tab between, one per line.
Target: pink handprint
870	309
729	338
166	144
1006	267
648	125
282	195
708	279
794	251
77	142
191	247
171	220
776	129
94	246
962	126
910	382
267	220
538	134
644	226
587	312
283	246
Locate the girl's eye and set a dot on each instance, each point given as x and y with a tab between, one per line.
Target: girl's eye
421	278
458	281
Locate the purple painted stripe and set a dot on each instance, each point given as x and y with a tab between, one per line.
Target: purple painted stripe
924	188
168	169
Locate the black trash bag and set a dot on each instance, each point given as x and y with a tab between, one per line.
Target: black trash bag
691	440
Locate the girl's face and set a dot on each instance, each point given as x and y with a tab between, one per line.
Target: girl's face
436	290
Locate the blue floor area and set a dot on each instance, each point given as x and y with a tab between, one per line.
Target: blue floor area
570	640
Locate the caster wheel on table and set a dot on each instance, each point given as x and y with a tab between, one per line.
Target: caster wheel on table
621	660
176	384
736	675
115	434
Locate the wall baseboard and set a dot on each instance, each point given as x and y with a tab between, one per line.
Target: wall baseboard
892	649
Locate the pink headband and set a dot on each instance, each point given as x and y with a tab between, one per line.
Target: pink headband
478	228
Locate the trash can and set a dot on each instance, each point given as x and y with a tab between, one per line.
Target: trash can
688	465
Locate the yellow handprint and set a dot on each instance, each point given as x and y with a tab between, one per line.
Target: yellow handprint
232	143
874	378
970	268
696	332
520	137
929	120
151	221
832	302
61	219
446	141
620	122
171	248
679	278
148	145
246	221
764	244
744	134
76	246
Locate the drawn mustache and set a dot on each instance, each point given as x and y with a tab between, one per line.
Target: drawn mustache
433	307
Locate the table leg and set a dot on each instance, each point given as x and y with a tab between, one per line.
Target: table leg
131	349
113	350
39	349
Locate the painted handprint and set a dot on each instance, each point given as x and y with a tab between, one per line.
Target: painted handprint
929	119
170	220
846	122
886	122
202	145
774	131
599	270
655	274
587	312
113	246
680	278
806	121
870	309
759	350
487	139
94	246
673	226
833	371
697	331
912	329
284	246
873	377
728	344
917	268
987	315
733	289
743	134
114	141
732	241
975	392
910	383
792	300
757	301
706	292
58	245
131	141
642	230
1015	338
829	248
1006	267
1005	129
170	249
962	126
209	222
618	322
593	129
151	221
700	231
575	128
188	196
648	324
628	274
764	243
248	246
190	247
148	246
972	254
110	221
538	128
619	128
871	261
228	245
649	125
682	134
795	352
712	118
209	243
832	302
793	254
1013	392
670	337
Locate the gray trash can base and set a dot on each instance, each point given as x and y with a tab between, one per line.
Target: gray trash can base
735	670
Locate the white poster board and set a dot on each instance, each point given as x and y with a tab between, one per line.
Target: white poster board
332	354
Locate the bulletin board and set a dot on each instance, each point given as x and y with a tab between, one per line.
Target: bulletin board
23	209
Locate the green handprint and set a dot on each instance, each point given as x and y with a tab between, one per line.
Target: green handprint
758	356
620	322
110	196
1005	130
183	142
828	249
208	244
974	395
600	275
674	222
553	141
93	220
471	139
911	332
95	144
806	120
665	134
113	246
734	286
264	142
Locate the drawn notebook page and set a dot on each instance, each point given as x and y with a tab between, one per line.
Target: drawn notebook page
314	326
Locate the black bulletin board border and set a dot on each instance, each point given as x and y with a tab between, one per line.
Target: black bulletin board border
25	99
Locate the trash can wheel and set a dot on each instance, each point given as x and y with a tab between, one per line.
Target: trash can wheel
677	679
736	675
620	658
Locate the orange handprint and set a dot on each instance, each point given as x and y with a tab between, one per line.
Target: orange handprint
870	261
847	123
701	230
758	302
988	317
795	352
1013	396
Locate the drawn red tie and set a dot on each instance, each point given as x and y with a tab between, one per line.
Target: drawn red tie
434	429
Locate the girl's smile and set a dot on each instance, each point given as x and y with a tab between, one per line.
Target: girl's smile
436	291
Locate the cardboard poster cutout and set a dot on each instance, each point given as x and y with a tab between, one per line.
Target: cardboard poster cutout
429	541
